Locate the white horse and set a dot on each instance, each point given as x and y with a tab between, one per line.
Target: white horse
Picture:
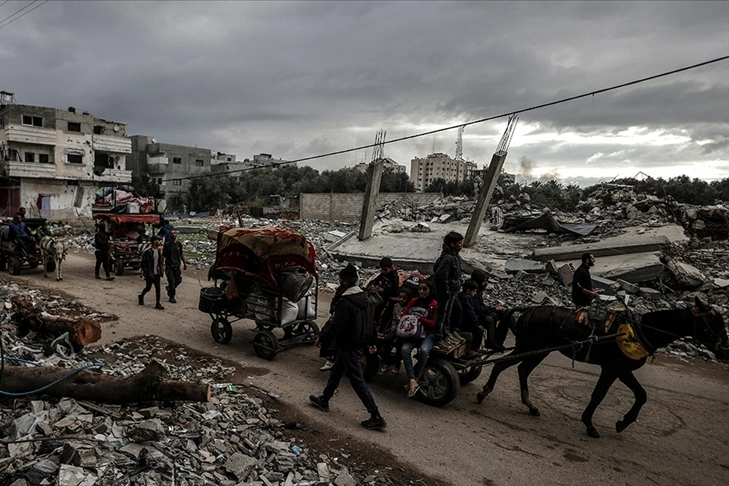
52	249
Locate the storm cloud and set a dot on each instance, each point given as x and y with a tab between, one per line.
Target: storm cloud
297	79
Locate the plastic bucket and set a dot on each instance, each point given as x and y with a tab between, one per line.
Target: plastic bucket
211	299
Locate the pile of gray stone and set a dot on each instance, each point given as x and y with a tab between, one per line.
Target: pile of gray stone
235	439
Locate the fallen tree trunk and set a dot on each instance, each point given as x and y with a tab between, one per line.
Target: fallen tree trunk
146	386
81	331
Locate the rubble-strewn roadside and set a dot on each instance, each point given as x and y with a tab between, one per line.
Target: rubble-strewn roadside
235	439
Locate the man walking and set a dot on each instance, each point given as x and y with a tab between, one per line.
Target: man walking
353	326
172	253
152	270
101	252
582	291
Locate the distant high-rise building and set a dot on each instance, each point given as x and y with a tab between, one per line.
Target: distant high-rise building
423	171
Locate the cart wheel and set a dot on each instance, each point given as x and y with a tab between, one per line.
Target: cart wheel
221	330
265	344
309	330
3	262
370	367
14	265
467	375
439	384
119	267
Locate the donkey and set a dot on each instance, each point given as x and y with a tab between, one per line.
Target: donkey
55	250
544	327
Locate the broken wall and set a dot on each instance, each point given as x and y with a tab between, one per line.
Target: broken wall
348	206
58	199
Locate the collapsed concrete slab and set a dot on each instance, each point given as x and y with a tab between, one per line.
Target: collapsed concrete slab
515	265
549	223
615	246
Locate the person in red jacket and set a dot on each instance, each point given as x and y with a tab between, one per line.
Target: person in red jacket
426	308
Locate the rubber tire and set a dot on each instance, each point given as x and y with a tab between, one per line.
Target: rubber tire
371	367
14	266
119	267
469	374
51	265
3	263
265	344
309	329
439	384
221	330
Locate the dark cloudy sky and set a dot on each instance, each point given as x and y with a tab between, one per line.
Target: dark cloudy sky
296	79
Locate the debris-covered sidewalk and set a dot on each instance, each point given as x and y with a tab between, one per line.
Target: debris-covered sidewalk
235	438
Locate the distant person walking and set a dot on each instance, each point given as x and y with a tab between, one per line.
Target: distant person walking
172	253
152	270
582	291
354	328
101	252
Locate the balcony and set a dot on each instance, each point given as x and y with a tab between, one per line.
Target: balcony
157	165
120	145
119	176
30	169
27	134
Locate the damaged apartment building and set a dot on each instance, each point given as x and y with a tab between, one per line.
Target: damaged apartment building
170	166
53	161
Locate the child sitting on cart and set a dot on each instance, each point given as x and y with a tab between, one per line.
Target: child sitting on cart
387	335
426	307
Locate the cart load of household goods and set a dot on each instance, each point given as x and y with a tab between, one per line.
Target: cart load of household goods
269	275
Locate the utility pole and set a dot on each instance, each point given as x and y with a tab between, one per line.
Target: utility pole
367	220
489	183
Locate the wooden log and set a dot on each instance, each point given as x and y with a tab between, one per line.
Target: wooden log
146	386
29	318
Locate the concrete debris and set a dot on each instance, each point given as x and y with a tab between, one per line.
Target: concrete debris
234	439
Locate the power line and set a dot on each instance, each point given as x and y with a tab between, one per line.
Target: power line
6	1
481	120
23	15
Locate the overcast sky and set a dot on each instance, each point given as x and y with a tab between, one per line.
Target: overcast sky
297	79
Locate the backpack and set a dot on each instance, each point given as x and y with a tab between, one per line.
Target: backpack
409	328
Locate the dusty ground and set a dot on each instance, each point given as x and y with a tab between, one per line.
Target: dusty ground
682	436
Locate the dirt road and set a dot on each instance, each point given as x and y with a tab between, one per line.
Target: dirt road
682	436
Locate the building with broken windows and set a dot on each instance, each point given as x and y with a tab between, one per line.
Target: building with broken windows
423	171
54	161
169	165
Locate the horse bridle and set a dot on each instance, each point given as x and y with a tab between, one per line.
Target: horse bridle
695	315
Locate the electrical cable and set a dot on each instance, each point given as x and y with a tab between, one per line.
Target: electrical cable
21	16
6	1
473	122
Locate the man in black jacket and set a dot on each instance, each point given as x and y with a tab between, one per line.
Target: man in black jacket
582	291
172	253
152	270
354	329
447	271
101	245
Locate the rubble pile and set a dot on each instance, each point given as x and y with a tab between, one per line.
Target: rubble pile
234	439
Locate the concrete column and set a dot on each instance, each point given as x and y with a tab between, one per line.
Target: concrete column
484	198
367	220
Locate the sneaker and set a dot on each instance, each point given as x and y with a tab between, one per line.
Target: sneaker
327	366
375	423
97	277
109	277
159	307
319	402
172	299
140	298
